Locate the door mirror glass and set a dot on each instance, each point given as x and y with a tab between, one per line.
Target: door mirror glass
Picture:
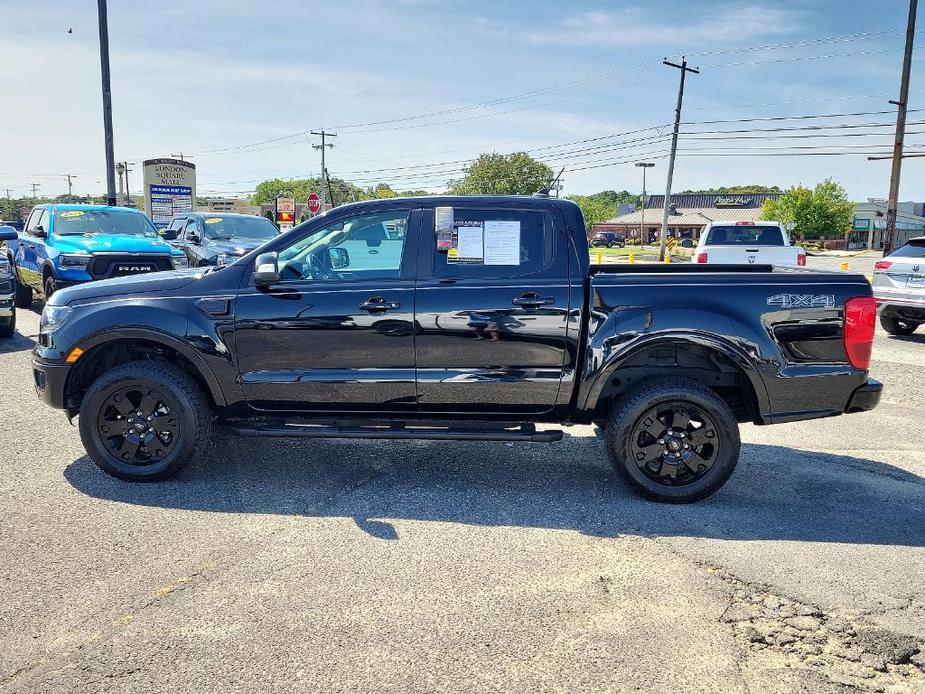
40	232
339	257
266	269
8	234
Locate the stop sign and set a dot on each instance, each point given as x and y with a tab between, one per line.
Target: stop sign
314	203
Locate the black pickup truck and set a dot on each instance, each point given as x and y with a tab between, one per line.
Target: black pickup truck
455	318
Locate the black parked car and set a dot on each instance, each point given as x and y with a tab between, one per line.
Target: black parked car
217	238
7	285
608	238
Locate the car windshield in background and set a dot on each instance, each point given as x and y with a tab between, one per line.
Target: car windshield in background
910	250
745	236
73	222
259	228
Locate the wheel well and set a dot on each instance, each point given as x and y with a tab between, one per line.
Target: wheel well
108	355
678	358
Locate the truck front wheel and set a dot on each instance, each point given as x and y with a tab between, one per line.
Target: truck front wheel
144	421
23	298
673	440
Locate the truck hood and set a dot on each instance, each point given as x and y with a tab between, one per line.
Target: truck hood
234	246
110	243
170	280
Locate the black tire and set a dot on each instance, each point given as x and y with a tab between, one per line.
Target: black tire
49	287
713	447
182	409
23	298
898	326
8	329
610	244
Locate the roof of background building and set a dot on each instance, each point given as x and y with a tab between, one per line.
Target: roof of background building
731	200
695	217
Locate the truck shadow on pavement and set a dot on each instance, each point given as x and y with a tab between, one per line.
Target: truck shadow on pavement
17	343
776	493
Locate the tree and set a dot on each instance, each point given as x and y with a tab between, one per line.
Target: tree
824	212
594	209
503	174
733	190
615	199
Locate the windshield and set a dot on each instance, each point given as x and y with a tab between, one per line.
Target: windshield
745	236
73	222
258	228
911	250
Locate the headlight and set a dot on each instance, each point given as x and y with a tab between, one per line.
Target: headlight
53	317
180	262
74	262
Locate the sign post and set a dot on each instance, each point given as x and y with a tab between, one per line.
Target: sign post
169	187
314	203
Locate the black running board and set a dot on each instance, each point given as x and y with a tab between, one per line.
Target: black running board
523	432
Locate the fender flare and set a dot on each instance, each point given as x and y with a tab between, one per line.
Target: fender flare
745	363
167	340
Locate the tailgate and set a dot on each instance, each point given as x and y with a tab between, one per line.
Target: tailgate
752	255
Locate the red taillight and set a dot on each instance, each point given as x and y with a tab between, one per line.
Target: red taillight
860	317
701	257
801	259
882	265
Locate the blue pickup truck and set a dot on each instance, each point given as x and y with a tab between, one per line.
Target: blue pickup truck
64	245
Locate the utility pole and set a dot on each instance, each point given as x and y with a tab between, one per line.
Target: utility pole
35	187
642	214
120	170
890	235
128	195
324	170
69	177
179	156
674	147
107	103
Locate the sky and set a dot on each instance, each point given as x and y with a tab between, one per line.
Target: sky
416	88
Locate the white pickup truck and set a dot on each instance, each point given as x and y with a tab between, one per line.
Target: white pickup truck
747	242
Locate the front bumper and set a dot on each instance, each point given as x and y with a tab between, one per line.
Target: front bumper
865	398
49	380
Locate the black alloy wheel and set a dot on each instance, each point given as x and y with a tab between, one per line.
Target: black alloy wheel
49	287
137	425
674	443
673	439
895	325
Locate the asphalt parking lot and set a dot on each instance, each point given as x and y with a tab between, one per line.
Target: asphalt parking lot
345	566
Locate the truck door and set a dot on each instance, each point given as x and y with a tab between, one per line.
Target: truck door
30	249
337	332
492	311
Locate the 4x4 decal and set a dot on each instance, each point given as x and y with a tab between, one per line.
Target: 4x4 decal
802	300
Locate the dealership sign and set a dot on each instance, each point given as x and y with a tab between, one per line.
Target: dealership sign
170	188
285	211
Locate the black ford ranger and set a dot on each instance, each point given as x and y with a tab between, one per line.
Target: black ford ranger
455	318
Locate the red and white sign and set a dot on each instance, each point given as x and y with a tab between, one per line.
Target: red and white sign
314	203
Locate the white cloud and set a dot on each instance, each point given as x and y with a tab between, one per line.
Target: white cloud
635	26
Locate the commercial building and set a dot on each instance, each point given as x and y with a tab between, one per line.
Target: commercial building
869	225
689	214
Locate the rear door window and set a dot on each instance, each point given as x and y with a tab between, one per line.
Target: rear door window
910	250
493	243
735	235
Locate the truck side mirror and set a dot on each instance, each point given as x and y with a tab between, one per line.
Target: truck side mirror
8	234
266	269
168	234
39	232
193	237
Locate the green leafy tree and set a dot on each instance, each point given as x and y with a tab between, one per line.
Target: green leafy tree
615	199
503	174
733	190
594	210
823	212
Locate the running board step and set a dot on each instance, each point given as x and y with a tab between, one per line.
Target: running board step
524	432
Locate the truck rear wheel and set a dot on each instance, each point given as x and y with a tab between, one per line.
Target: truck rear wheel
7	329
23	298
673	440
898	326
144	421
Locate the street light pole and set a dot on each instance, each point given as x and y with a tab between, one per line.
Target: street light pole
107	104
642	215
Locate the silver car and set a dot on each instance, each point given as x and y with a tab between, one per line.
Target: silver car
899	287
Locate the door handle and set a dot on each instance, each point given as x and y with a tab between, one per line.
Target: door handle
377	303
532	300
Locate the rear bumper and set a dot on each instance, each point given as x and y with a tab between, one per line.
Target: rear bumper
911	308
865	398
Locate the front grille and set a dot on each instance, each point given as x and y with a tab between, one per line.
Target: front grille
119	265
